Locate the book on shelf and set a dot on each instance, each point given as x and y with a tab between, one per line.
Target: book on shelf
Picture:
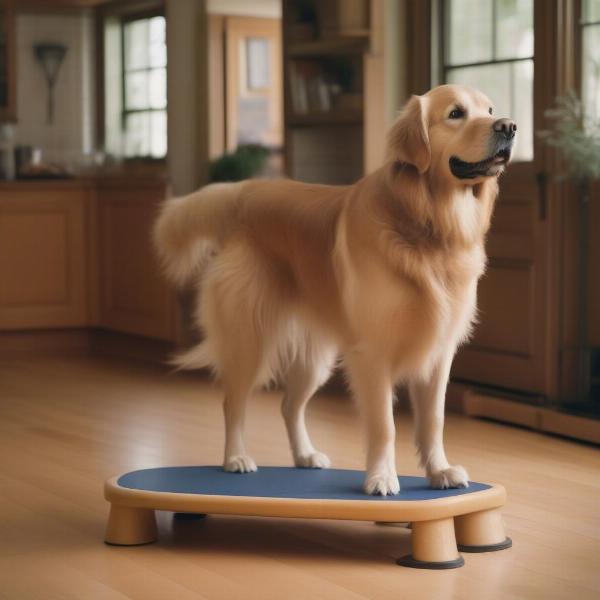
309	87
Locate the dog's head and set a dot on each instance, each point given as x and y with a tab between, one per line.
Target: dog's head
452	133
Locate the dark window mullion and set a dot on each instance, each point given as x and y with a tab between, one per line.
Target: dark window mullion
485	63
131	111
142	70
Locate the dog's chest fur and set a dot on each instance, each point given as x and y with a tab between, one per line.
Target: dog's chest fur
415	297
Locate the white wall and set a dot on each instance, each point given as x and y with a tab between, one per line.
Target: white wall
270	9
72	133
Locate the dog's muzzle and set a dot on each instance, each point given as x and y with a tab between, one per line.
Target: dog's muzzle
501	143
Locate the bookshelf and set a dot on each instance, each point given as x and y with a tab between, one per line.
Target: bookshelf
332	65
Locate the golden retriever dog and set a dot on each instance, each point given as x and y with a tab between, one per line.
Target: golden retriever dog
382	274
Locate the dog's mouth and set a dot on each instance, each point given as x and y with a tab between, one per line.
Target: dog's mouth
489	167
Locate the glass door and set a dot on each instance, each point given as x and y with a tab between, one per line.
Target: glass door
491	45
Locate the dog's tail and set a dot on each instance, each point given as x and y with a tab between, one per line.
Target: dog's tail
189	226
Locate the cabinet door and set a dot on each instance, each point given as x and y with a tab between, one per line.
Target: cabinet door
42	259
134	297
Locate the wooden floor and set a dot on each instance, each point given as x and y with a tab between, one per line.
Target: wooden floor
68	424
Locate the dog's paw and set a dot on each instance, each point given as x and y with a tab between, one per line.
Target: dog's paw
239	464
316	460
452	477
382	485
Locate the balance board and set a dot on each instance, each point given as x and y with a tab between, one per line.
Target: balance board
440	518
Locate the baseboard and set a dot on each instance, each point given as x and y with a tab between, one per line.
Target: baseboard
476	403
83	342
48	342
126	346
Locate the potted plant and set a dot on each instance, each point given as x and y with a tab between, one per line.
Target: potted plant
246	162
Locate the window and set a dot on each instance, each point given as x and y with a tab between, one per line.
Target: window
134	80
590	67
145	87
489	46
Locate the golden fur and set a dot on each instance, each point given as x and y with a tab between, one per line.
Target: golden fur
382	273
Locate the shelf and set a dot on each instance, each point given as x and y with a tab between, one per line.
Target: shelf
333	117
352	44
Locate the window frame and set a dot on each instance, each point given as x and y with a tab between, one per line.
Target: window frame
124	11
444	67
579	26
125	112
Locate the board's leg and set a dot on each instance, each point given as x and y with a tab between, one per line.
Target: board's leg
129	526
481	531
433	546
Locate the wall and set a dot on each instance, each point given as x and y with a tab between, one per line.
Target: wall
270	9
72	132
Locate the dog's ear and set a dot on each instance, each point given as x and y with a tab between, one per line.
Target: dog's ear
408	139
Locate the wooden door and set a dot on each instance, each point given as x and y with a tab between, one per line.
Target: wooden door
253	82
514	345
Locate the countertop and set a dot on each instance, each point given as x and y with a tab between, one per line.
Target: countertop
99	181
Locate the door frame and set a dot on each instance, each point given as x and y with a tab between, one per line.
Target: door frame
555	22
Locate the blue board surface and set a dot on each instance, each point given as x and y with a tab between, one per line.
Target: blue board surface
280	482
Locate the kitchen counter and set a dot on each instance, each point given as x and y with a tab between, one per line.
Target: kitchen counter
99	181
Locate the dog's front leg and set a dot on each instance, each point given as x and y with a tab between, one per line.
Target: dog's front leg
428	400
372	387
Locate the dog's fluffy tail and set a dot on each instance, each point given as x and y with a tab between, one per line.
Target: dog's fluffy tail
189	226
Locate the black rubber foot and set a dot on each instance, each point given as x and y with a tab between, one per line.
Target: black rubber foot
183	516
507	543
409	561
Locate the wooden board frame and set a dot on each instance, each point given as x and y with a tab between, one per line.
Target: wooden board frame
471	522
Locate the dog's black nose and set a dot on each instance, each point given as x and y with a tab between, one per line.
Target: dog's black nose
505	127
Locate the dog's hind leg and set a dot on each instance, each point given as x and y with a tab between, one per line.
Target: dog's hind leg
239	329
307	372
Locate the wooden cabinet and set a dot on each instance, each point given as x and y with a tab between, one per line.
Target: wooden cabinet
8	63
340	72
79	254
133	296
43	256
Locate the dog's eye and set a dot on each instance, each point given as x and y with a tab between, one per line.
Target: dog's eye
457	113
490	110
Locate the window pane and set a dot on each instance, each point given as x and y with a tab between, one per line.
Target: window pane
257	63
514	33
591	10
158	88
591	70
157	41
469	31
136	90
492	80
158	123
510	88
522	108
136	44
137	134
